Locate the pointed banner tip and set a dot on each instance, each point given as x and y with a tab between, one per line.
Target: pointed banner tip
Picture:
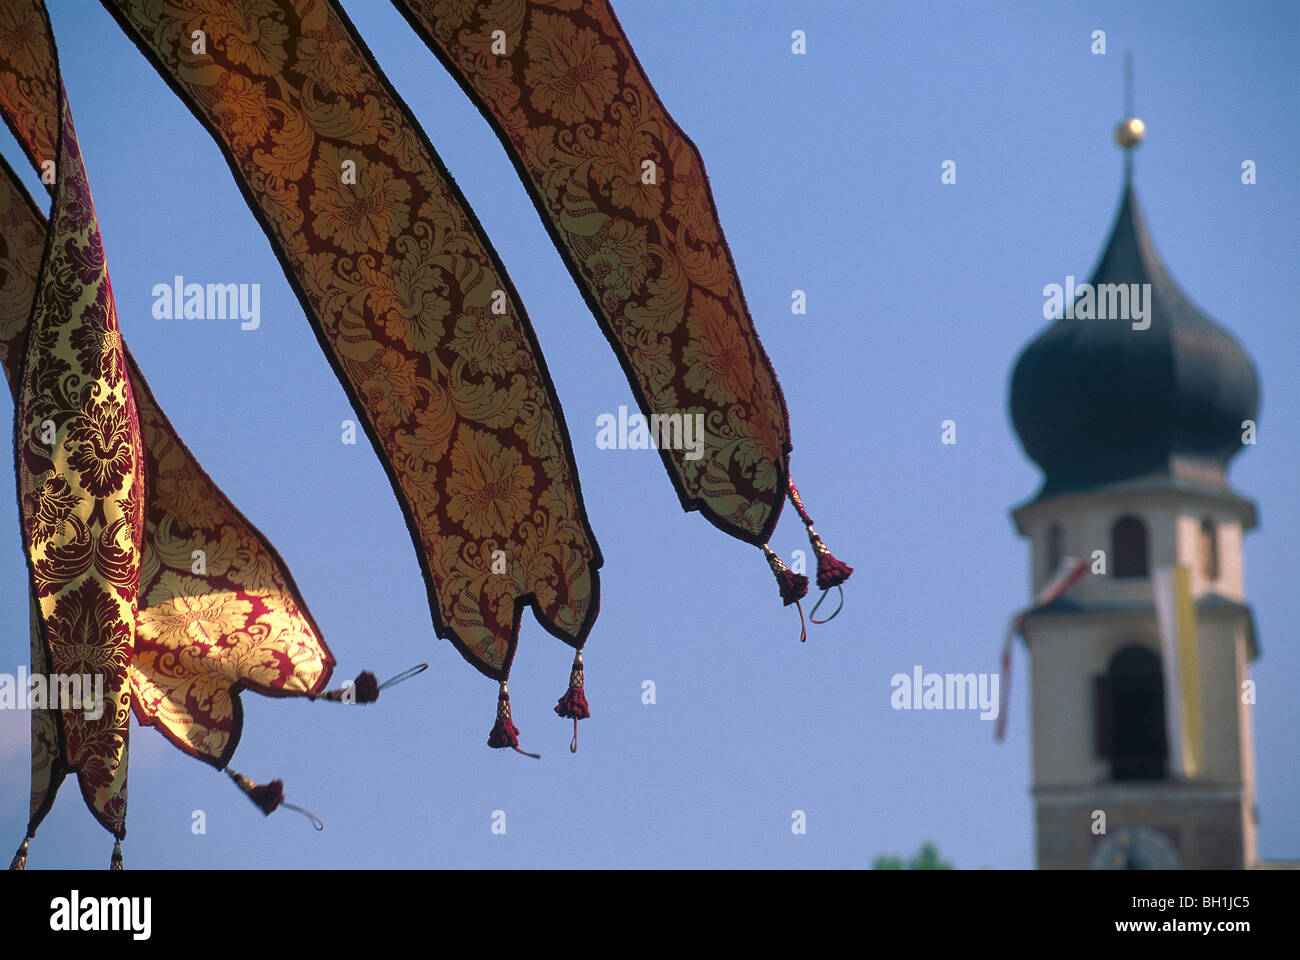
19	861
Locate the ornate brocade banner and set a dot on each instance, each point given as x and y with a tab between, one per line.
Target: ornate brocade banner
625	198
80	486
409	300
143	570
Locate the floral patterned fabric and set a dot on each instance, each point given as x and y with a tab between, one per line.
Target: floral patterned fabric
80	482
240	623
420	320
559	82
217	609
141	570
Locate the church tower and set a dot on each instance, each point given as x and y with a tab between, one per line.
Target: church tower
1133	408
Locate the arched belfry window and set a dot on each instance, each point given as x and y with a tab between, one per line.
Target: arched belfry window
1128	547
1209	549
1055	548
1130	715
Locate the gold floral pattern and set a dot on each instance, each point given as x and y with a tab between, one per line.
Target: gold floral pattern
251	33
22	38
239	623
570	75
490	344
182	611
582	120
242	111
616	260
330	56
28	86
358	219
718	364
80	470
490	485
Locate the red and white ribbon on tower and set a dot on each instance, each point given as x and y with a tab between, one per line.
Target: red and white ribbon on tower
1069	573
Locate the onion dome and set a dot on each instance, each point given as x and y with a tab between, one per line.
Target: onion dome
1100	401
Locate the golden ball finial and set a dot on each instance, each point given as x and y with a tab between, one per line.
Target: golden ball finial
1130	133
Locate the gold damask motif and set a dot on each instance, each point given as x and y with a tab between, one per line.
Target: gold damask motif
580	119
81	492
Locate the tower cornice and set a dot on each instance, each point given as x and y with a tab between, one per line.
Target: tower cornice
1155	490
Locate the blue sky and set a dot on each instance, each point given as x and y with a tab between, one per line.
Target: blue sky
826	173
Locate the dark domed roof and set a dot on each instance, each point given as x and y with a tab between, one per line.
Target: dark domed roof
1096	402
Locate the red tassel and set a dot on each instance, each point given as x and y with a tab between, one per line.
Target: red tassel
20	858
364	689
116	862
830	571
504	732
269	797
793	586
366	686
574	702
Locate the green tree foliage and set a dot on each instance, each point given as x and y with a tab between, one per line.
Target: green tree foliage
927	858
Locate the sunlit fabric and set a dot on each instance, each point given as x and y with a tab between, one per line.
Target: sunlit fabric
218	606
80	478
217	609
